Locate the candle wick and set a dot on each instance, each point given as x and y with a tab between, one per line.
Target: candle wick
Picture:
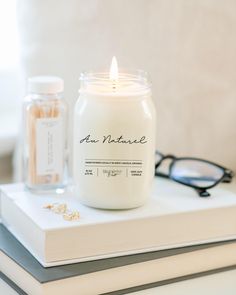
114	85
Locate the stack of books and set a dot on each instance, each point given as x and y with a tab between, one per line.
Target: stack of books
175	236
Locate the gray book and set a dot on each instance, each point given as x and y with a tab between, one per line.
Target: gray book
119	275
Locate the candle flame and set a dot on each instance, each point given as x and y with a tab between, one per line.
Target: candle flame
114	75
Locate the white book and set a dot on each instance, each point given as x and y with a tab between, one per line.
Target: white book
119	275
175	216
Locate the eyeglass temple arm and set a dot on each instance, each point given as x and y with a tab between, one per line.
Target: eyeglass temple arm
163	158
161	174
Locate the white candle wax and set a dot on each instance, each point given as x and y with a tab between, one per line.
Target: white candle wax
114	141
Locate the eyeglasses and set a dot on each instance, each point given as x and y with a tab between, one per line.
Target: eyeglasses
193	172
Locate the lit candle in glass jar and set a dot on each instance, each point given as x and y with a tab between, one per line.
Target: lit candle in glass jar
114	139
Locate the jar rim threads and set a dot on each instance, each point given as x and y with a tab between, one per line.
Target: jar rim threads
129	83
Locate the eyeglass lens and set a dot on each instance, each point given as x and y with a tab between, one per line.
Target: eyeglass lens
196	172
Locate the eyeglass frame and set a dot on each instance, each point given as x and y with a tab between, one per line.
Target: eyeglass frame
202	192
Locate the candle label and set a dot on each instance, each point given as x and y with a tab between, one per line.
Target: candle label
116	167
49	146
113	168
110	139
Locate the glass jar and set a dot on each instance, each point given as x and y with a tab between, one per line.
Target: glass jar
45	116
114	140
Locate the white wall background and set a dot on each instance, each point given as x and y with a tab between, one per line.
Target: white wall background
9	57
187	46
10	96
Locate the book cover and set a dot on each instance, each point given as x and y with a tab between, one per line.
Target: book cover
128	273
174	217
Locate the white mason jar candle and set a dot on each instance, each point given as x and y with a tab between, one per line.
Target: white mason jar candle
114	140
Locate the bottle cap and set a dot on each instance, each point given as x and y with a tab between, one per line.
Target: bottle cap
45	84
